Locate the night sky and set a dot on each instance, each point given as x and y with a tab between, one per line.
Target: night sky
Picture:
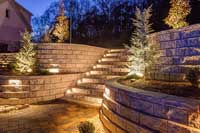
37	7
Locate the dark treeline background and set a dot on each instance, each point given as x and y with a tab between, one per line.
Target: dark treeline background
106	22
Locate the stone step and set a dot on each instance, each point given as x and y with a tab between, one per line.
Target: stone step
122	55
88	91
98	72
109	66
98	79
116	51
92	86
113	59
92	80
105	77
126	70
19	95
115	63
84	99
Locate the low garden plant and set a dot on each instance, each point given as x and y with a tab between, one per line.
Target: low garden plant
193	75
86	127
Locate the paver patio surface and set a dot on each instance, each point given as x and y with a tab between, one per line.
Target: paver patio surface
54	117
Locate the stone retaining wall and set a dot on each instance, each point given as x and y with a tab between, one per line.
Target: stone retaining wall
6	58
179	50
127	109
70	58
32	89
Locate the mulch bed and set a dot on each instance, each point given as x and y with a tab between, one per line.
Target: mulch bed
172	88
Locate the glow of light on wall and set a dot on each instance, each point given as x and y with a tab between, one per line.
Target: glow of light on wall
107	92
69	91
79	81
88	73
15	83
54	70
140	74
94	67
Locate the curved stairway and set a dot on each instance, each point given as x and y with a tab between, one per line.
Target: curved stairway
89	90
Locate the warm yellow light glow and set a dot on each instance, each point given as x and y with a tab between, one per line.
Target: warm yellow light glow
139	74
107	92
69	91
79	81
94	67
15	83
88	73
55	65
54	70
29	70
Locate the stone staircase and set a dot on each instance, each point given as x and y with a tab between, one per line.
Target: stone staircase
89	90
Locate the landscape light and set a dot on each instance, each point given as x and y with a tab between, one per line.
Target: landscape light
15	83
54	70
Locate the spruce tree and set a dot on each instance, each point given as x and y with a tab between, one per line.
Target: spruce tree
178	13
143	53
25	58
60	31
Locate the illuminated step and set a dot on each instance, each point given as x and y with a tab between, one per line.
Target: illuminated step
125	70
122	55
113	59
92	86
116	50
104	77
92	80
87	91
96	72
114	63
110	66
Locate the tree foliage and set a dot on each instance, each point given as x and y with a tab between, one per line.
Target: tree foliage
178	13
91	20
25	58
60	31
143	53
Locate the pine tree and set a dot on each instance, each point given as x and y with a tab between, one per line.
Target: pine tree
25	59
143	53
178	13
60	31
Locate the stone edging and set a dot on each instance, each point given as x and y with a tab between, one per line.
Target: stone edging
128	109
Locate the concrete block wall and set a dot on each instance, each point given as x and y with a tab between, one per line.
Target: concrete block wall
5	59
70	58
33	89
133	110
179	50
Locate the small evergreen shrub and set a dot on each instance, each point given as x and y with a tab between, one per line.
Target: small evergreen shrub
25	58
86	127
193	76
143	52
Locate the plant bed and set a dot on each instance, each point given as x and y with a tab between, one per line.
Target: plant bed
182	89
133	109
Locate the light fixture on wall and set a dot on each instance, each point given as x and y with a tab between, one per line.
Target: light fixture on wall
107	92
15	83
54	69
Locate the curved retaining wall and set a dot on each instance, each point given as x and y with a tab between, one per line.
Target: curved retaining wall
33	89
70	58
127	109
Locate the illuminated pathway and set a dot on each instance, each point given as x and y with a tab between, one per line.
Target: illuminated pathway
57	117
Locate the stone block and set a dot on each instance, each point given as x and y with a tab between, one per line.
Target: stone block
153	123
